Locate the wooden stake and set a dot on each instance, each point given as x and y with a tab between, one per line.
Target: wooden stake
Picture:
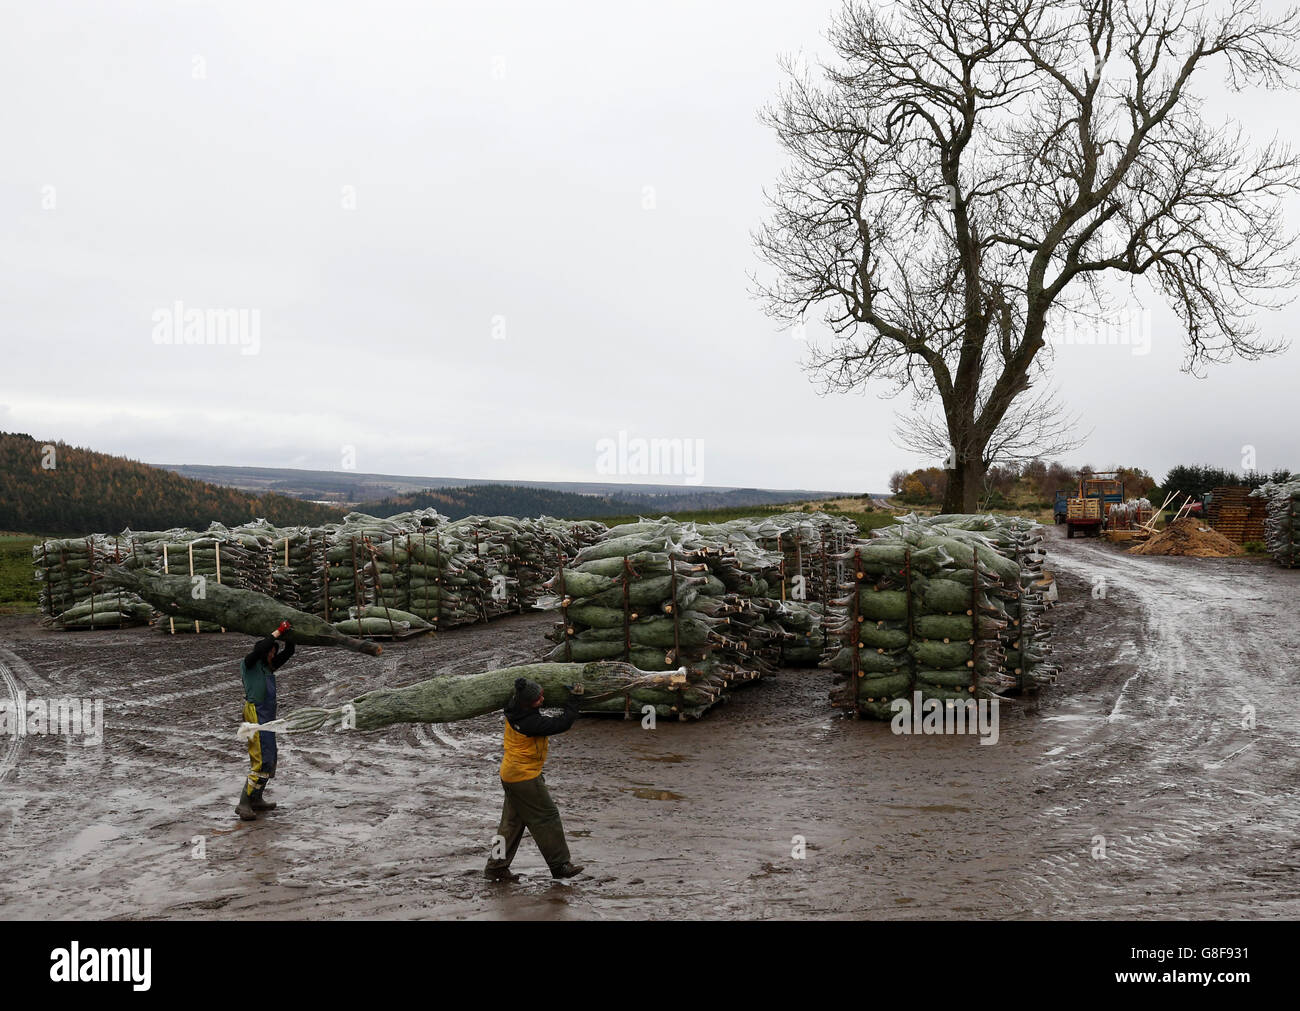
171	622
217	545
191	548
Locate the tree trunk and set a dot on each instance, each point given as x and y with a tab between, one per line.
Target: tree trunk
965	485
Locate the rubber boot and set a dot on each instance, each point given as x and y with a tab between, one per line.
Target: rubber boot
258	804
245	808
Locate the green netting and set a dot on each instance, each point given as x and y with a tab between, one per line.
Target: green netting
392	576
729	598
945	605
1282	525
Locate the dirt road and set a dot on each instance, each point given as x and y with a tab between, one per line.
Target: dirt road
1140	754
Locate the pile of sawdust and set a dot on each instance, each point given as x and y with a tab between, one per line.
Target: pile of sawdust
1189	537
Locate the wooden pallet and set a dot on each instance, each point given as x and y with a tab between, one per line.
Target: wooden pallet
1236	515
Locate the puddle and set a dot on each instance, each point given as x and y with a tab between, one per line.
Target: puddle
90	839
645	793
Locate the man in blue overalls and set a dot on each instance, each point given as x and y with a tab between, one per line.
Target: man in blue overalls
258	673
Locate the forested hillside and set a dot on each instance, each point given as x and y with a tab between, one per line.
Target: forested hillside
504	500
517	500
54	488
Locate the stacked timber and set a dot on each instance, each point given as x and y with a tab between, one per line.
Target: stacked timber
1236	514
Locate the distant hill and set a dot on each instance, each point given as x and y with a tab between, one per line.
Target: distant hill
513	500
90	492
368	491
502	500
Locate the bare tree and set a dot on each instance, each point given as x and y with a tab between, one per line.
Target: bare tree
1032	428
968	174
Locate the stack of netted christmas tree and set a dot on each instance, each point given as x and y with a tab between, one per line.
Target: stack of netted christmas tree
643	593
1282	527
707	599
377	577
238	557
944	605
70	573
784	569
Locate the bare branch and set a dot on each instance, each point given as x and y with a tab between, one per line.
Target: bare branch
964	171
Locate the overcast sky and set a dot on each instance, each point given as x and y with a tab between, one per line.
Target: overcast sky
479	238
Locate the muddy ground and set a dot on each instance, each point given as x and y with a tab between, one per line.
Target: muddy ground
1140	753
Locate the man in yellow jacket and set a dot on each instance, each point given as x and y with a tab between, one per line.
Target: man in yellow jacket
528	803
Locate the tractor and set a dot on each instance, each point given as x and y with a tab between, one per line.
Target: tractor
1086	510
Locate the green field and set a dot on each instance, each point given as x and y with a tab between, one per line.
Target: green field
18	590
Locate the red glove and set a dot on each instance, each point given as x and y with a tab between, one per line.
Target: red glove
284	627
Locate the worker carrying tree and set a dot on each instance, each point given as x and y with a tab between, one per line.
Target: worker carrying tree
528	803
258	673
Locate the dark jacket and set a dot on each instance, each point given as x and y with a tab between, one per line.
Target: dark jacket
531	723
527	739
259	675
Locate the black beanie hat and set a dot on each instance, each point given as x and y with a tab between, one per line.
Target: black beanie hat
527	692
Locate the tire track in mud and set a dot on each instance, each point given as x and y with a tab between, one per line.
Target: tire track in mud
1140	742
154	786
1192	807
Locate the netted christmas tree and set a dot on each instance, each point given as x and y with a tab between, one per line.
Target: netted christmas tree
943	605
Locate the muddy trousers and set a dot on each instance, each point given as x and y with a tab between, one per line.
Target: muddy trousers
528	805
261	750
